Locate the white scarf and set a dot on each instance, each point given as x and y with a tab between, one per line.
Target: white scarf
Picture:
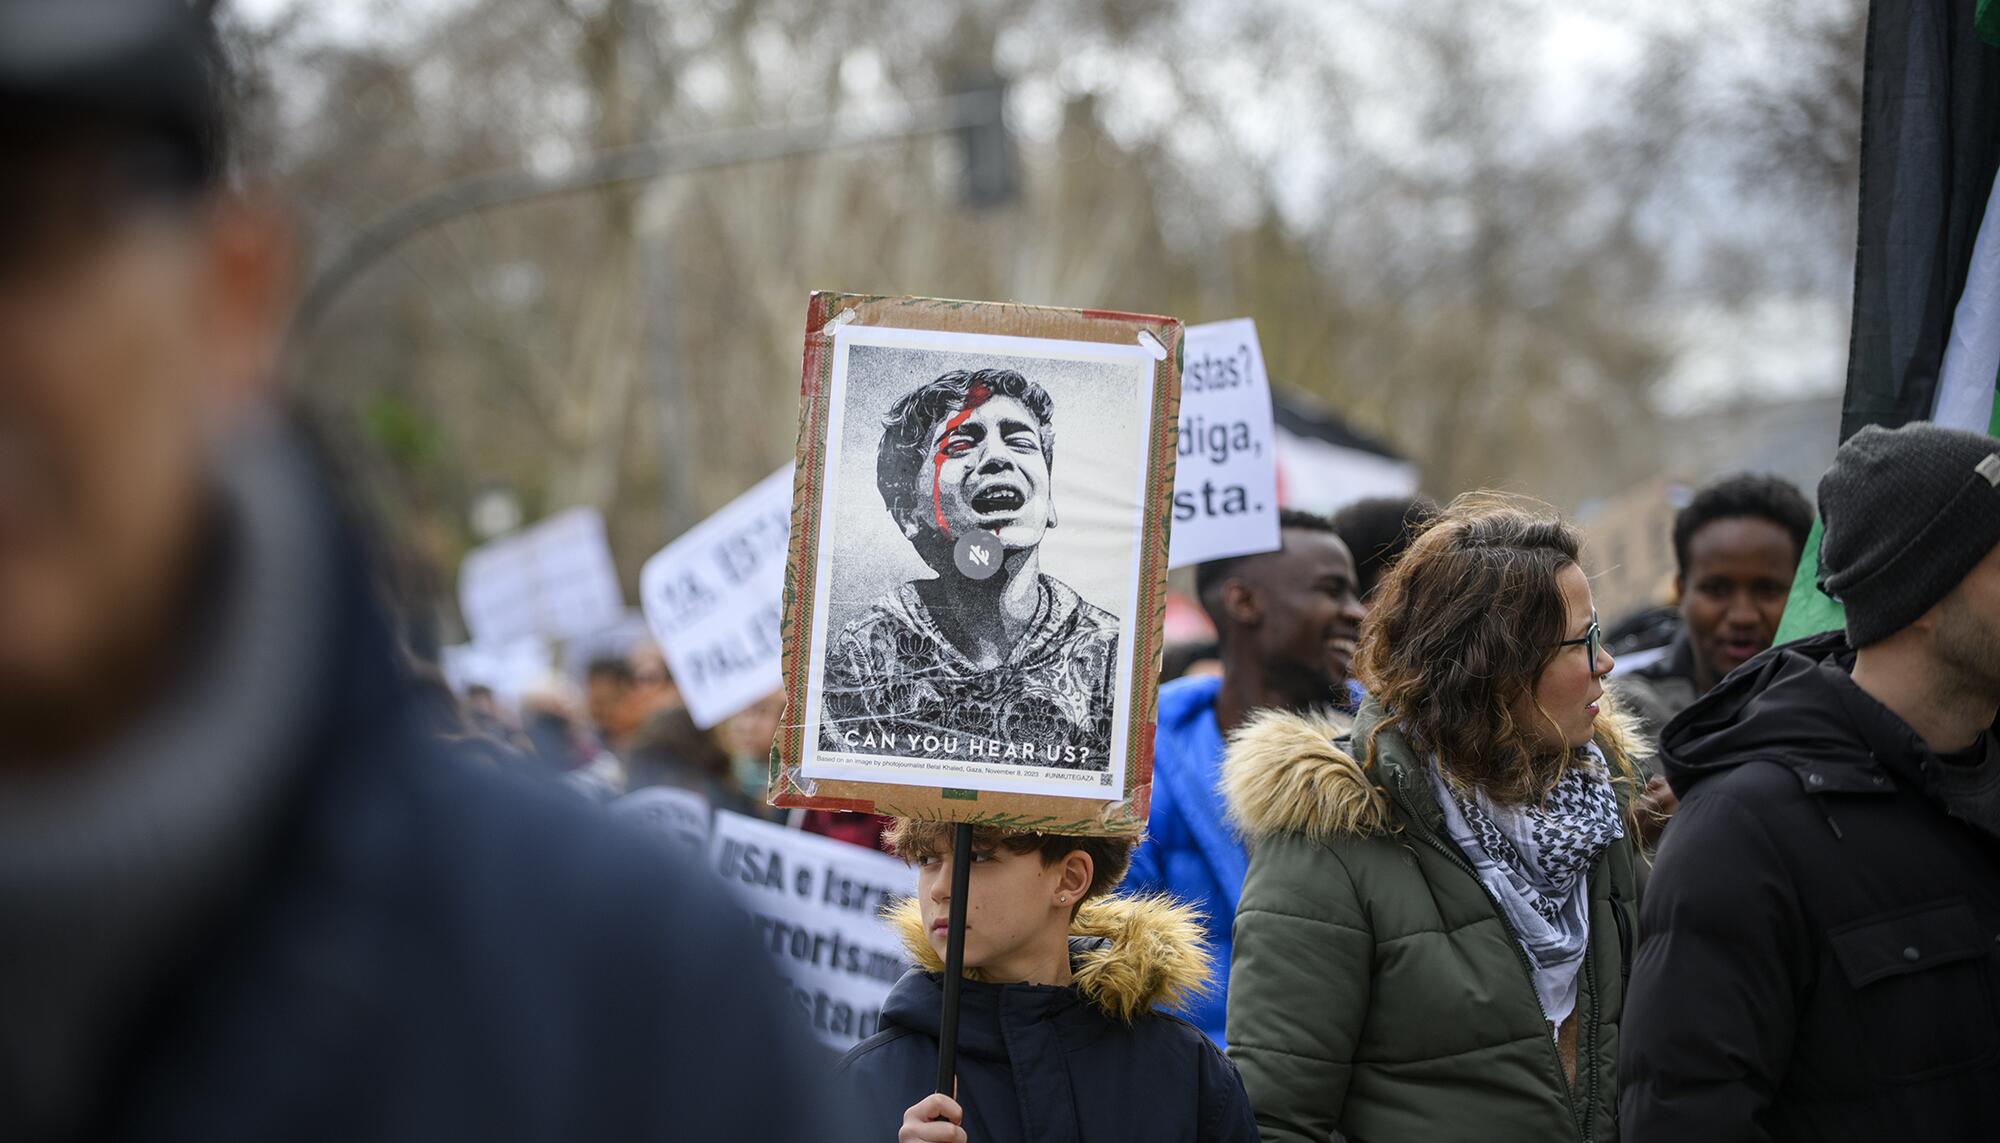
1536	862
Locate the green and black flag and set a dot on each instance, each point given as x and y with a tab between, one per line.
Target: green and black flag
1926	336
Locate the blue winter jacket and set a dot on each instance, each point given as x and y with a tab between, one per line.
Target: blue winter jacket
1189	851
1089	1062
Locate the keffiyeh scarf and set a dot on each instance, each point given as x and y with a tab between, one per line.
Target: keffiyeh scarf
1536	861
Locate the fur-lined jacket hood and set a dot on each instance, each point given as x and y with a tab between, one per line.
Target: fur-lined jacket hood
1047	1064
1291	773
1128	955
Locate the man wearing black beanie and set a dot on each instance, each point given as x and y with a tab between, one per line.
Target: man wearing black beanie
1820	943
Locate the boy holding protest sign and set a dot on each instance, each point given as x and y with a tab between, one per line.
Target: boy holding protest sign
1058	1037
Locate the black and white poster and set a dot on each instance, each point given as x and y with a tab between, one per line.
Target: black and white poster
979	561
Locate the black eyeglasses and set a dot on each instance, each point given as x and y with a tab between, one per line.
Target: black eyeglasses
1592	639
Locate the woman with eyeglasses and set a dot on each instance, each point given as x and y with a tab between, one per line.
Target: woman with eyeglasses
1436	927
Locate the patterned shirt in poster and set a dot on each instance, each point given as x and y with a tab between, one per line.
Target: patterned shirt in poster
896	685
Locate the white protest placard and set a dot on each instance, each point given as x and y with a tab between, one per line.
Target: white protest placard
1226	481
509	669
553	578
715	600
818	908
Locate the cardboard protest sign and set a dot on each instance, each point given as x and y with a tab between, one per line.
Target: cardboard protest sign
978	562
714	598
553	578
818	908
1226	483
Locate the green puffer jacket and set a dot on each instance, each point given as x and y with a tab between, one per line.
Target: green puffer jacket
1375	991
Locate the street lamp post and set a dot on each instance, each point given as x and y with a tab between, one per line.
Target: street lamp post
974	114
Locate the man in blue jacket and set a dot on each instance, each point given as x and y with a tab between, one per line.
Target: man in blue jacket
1287	622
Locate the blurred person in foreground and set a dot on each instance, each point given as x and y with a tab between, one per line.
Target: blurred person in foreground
1821	936
1378	531
1059	1036
246	893
1433	930
1287	622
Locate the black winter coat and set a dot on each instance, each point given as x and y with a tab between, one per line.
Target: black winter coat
1088	1063
433	950
1820	945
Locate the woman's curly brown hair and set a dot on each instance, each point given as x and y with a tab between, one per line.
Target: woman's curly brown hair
1460	629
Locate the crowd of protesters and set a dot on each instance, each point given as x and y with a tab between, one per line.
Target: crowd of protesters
1410	872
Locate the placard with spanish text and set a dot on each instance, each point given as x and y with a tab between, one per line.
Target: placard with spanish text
714	599
1226	481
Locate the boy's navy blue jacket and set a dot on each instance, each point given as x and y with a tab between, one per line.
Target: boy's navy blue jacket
1088	1062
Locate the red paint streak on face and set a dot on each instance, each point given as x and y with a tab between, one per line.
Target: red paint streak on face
974	397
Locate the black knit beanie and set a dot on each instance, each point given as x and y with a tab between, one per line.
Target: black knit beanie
1908	513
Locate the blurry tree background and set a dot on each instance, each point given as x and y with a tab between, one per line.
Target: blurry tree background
1503	235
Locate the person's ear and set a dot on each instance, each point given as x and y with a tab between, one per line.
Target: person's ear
1073	877
1052	510
1680	590
1241	604
248	274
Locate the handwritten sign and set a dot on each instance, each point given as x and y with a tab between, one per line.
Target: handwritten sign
715	600
554	578
818	904
1226	482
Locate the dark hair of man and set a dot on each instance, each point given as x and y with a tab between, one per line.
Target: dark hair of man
161	99
669	742
907	444
617	670
1746	494
479	691
1179	657
1211	575
911	839
1378	530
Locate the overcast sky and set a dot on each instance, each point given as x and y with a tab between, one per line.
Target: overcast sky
1773	346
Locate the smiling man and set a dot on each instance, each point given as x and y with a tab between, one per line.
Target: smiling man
1287	622
1736	546
992	659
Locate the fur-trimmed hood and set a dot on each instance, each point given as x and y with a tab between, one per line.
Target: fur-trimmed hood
1128	955
1290	773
